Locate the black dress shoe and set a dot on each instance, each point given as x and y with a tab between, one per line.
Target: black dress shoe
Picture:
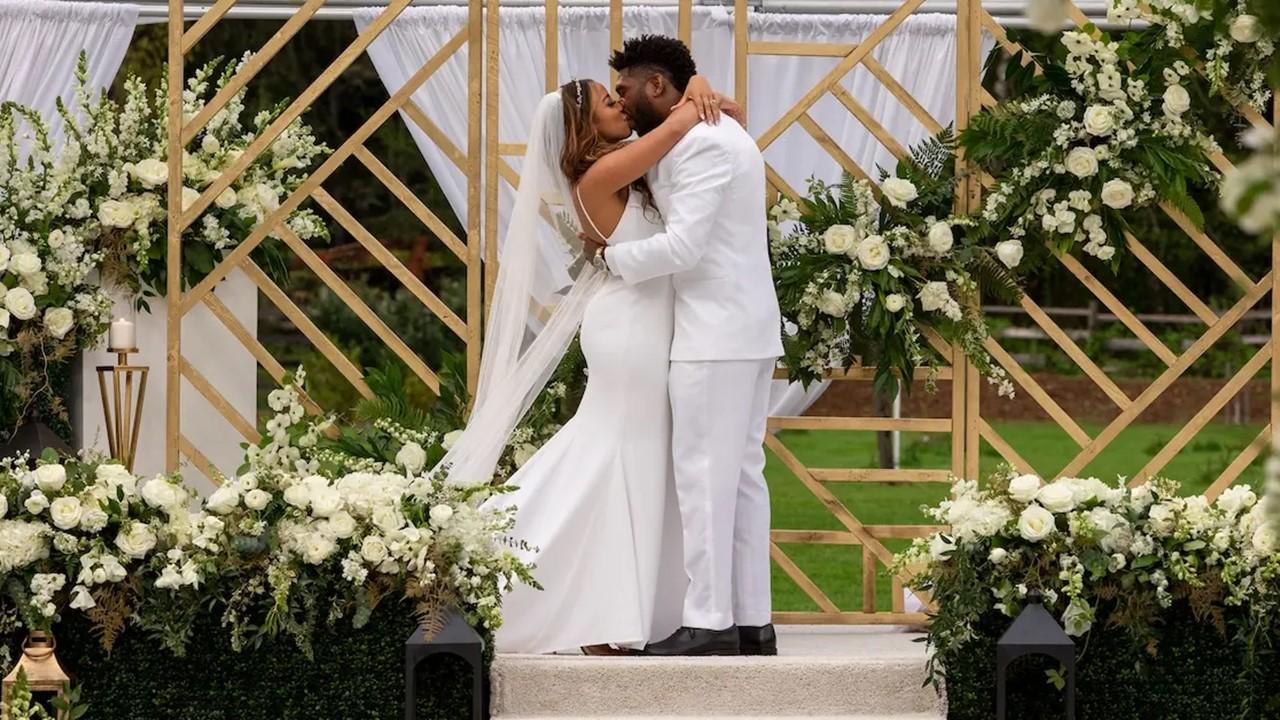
697	641
757	640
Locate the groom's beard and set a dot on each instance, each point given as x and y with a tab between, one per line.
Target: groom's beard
645	117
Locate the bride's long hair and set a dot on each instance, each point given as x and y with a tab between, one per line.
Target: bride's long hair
583	146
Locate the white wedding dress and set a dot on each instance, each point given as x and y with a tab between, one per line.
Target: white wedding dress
598	501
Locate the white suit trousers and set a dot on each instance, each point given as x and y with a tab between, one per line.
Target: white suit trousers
719	412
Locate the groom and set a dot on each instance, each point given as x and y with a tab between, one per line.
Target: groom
711	191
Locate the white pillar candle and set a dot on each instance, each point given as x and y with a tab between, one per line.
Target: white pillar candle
121	337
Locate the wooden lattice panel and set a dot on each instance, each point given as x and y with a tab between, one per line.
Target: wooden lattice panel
466	327
1216	323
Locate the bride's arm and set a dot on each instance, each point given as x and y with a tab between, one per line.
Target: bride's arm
620	168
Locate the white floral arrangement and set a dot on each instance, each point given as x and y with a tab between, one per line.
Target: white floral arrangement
1235	45
51	303
1082	542
110	180
1096	142
857	279
279	537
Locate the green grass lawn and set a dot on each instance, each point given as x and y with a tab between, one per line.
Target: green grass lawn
837	569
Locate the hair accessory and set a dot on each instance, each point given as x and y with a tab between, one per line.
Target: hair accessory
577	92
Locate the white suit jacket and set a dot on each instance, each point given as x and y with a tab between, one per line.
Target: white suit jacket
711	191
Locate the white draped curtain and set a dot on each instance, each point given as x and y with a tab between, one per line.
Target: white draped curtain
41	42
920	54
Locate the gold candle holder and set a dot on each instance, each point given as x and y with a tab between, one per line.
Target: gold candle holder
123	413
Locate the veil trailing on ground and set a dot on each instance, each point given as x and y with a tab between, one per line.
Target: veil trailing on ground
544	284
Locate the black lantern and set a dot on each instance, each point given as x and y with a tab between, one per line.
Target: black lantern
456	638
1035	632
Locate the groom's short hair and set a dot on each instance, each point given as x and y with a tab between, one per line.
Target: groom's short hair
659	54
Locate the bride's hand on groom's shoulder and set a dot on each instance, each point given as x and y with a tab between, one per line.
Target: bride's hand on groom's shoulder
704	99
590	245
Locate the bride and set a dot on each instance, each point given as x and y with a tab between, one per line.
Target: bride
595	504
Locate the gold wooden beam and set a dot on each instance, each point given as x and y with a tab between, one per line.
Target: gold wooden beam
362	310
551	34
1167	378
388	260
890	476
475	153
201	27
931	425
291	113
1073	351
491	132
313	181
801	580
997	441
252	67
1037	393
1171	281
411	201
1246	457
173	243
1118	308
684	23
1205	415
203	463
217	400
837	74
308	328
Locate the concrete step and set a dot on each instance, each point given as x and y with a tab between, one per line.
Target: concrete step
845	673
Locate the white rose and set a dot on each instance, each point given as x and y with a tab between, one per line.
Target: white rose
832	303
412	458
940	547
893	302
1246	29
267	197
1046	16
1035	523
440	514
93	520
1009	252
66	512
316	547
839	239
4	315
189	197
450	438
373	550
873	253
1141	496
159	493
20	303
1082	162
298	495
226	199
4	505
388	519
1265	540
1023	488
1176	100
1162	519
1237	499
341	525
325	501
59	321
1099	120
117	214
1117	194
25	263
114	475
524	454
50	478
1057	497
899	191
137	541
81	599
257	499
36	502
210	144
941	238
223	500
933	296
998	555
4	257
151	172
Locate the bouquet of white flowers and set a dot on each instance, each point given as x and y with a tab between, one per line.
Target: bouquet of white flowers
286	543
1096	140
1236	46
857	280
1080	542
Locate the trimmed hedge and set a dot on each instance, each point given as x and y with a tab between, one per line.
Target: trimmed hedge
1198	673
355	674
